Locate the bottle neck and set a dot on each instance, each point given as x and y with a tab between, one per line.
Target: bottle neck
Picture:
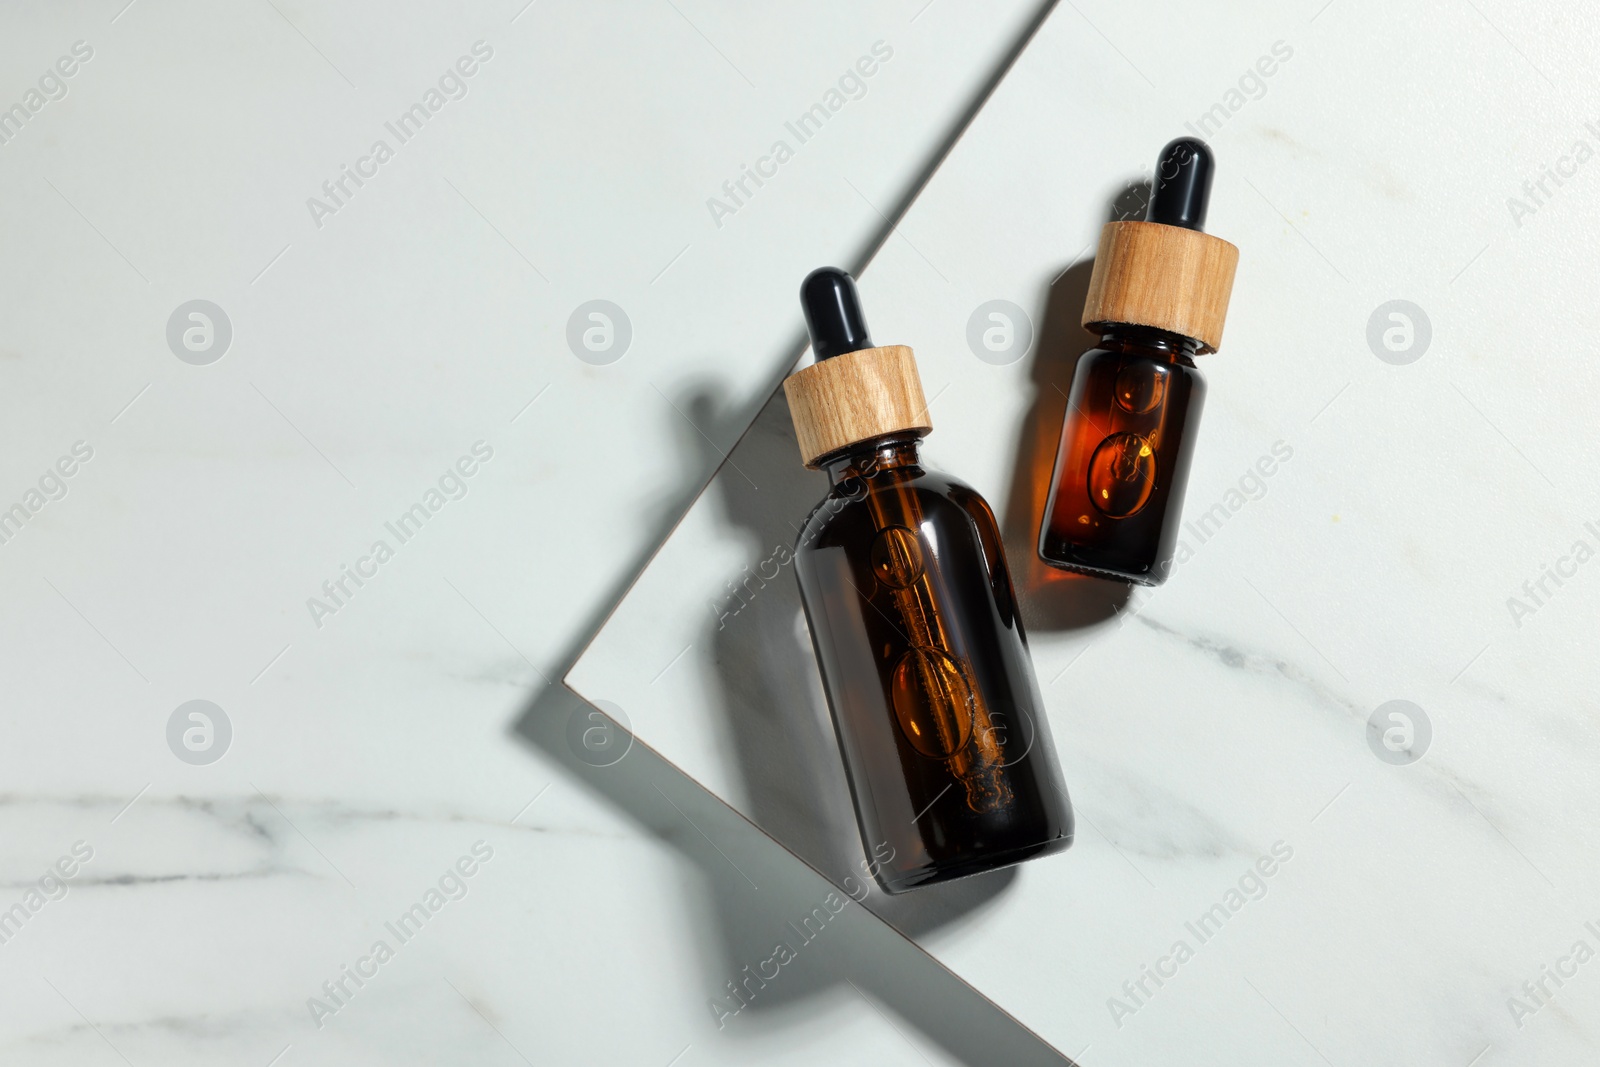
1148	341
848	467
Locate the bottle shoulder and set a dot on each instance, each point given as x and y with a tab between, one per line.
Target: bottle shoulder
1178	364
901	498
1152	373
950	520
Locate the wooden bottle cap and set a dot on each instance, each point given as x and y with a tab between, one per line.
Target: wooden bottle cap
1151	274
855	397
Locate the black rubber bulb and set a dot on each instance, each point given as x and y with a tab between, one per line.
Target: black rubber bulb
1183	184
833	313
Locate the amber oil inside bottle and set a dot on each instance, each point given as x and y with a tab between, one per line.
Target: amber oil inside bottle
1124	456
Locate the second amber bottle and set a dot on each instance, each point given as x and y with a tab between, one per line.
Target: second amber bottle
1158	297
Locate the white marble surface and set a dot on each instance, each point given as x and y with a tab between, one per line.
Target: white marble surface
1428	913
371	349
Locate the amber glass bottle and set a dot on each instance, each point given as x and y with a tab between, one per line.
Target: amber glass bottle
1158	295
914	622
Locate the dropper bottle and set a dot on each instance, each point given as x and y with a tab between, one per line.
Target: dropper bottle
915	625
1158	297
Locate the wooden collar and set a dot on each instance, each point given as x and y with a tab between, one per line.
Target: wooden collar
855	397
1151	274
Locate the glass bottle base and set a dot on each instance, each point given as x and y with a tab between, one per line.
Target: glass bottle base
1099	565
950	871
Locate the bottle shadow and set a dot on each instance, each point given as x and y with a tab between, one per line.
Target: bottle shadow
1055	600
774	720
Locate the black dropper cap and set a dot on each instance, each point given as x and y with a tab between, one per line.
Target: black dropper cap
1183	185
833	313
